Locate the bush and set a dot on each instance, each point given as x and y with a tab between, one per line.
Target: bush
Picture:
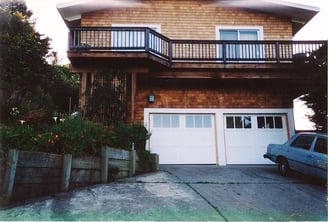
80	137
119	137
145	160
124	136
139	135
19	137
72	136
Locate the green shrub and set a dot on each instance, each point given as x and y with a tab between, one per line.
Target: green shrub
19	137
125	135
145	160
77	137
72	136
119	137
139	135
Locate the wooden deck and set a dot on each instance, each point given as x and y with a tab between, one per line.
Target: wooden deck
145	43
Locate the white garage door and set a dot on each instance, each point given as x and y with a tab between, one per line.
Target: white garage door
183	138
247	136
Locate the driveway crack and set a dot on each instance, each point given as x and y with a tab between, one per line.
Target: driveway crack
199	194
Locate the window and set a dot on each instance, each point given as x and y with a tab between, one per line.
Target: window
198	121
235	50
269	122
238	122
166	121
303	142
321	146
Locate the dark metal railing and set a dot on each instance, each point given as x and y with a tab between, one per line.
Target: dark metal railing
143	39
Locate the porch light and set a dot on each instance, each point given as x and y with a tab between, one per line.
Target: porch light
151	97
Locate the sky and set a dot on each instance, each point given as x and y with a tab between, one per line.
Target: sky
49	22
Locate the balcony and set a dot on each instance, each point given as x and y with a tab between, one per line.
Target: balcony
142	42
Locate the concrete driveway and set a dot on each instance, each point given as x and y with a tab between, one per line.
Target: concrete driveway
206	193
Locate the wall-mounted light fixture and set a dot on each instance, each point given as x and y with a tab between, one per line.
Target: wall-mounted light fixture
151	97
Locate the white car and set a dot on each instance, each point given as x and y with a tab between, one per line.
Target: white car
304	152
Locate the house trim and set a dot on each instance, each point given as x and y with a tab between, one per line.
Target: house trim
238	27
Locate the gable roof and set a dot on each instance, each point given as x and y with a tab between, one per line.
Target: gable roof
298	13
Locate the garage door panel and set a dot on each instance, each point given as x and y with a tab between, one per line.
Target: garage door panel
246	141
193	154
196	154
165	136
270	136
192	141
201	138
246	155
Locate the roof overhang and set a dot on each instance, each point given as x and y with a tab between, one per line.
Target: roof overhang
299	14
73	10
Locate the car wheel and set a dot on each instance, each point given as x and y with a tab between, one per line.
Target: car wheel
283	167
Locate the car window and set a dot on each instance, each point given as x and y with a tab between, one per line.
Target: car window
303	142
321	145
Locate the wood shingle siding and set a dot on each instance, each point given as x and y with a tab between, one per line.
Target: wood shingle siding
190	19
211	94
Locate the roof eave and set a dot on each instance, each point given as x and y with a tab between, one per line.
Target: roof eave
299	14
72	11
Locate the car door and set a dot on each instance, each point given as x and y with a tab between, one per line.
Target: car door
299	151
317	159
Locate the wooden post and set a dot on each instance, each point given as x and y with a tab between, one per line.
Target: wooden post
133	94
132	165
9	176
104	165
66	173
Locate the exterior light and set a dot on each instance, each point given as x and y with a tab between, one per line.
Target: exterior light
151	97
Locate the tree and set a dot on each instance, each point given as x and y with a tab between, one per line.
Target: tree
15	7
315	94
64	89
24	71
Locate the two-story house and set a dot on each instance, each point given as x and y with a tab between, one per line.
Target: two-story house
212	80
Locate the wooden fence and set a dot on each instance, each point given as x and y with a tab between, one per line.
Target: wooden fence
33	174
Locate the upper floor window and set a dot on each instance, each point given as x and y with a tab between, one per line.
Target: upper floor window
240	50
226	34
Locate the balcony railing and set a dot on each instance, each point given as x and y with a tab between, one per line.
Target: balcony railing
143	39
